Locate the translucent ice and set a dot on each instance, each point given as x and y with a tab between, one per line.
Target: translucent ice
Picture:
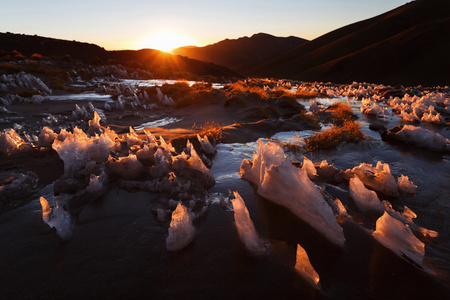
57	217
244	224
181	231
12	143
305	269
309	167
76	150
206	145
46	137
405	185
365	199
397	237
423	138
196	163
280	182
378	178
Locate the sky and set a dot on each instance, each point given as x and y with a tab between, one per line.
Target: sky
133	24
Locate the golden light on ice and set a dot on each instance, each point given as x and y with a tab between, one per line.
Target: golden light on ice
305	269
165	41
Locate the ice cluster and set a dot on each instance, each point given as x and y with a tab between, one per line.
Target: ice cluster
378	178
396	236
246	230
280	182
12	84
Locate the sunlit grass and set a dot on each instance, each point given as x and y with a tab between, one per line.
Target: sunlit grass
349	132
210	128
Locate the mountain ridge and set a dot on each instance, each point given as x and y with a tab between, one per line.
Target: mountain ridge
242	53
162	64
357	52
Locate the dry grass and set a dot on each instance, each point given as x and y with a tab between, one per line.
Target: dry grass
349	132
210	128
305	94
341	113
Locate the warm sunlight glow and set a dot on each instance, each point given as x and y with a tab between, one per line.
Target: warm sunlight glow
165	41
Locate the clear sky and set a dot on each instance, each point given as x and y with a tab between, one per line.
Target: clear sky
133	24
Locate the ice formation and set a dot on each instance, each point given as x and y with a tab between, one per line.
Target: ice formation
94	124
432	116
57	217
379	178
76	150
46	137
407	217
196	163
247	232
309	167
397	237
126	167
305	269
206	145
163	99
12	143
422	137
181	231
405	185
369	108
365	199
97	183
280	182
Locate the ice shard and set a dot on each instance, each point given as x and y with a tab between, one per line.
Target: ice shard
244	224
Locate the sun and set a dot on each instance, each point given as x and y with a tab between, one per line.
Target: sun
165	41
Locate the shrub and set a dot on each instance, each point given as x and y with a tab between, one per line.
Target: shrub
349	132
36	57
210	128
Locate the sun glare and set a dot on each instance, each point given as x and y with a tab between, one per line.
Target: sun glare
165	41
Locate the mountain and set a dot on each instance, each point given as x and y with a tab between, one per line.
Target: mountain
409	45
160	63
242	53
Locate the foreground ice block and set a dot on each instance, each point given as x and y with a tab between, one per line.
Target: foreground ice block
421	137
379	178
280	182
397	237
181	230
244	224
57	218
365	200
305	269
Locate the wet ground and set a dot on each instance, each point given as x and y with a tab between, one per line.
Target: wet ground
118	248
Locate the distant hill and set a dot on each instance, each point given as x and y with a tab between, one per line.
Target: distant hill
158	62
409	45
242	53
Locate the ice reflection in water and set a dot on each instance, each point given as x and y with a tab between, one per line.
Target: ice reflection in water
157	123
81	97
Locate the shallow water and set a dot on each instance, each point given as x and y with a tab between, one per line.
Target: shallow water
157	123
81	97
118	248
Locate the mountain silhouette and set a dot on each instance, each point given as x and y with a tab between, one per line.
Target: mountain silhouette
243	53
161	64
409	45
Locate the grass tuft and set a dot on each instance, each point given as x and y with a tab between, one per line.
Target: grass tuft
349	132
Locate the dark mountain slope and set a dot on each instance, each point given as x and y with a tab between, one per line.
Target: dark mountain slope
159	63
242	53
408	45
